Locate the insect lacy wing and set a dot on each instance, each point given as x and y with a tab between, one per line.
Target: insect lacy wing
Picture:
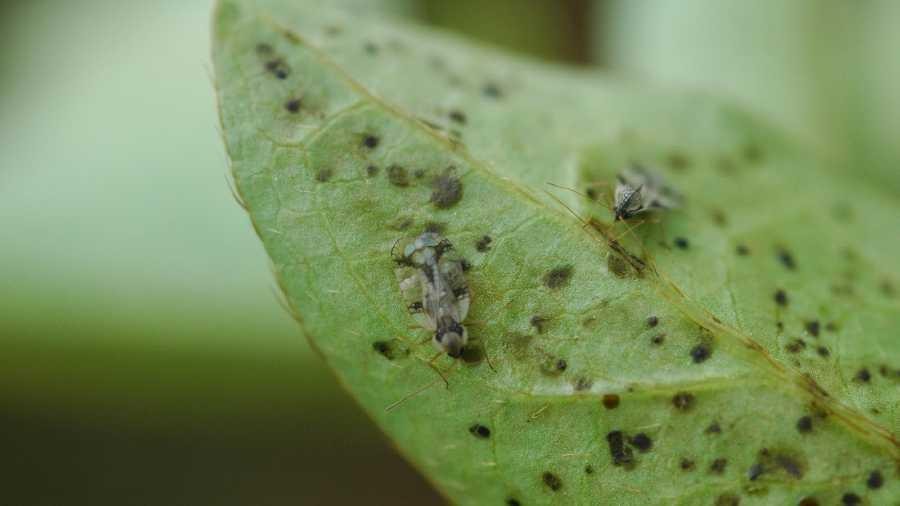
453	273
412	287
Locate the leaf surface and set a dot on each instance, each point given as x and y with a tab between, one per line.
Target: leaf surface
743	348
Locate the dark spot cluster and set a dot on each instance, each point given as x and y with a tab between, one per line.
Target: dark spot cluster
813	328
483	244
370	141
652	321
641	442
683	401
458	116
540	323
446	190
687	464
681	243
786	258
778	462
370	48
558	277
293	105
796	346
583	383
372	170
278	68
714	428
781	298
875	480
863	376
718	466
324	175
728	500
851	499
678	161
701	353
621	454
554	366
742	250
658	339
390	349
492	90
804	424
398	176
480	431
552	481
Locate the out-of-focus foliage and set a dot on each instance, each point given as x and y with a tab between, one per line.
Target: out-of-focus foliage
725	355
827	71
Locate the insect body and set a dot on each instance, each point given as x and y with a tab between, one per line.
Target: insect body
638	190
435	288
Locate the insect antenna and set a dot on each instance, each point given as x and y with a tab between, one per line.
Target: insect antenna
410	395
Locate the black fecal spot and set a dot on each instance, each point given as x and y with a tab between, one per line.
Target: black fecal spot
875	480
752	153
333	30
779	325
823	351
435	227
786	259
458	116
588	469
370	48
714	428
808	501
263	49
583	383
552	481
324	175
372	170
370	141
591	192
850	499
483	244
617	265
700	353
465	265
539	323
796	346
687	464
446	190
610	401
652	321
781	298
472	354
678	161
278	68
683	401
419	173
804	424
718	466
558	277
887	288
658	339
389	349
641	442
813	327
831	327
480	431
553	366
492	90
776	461
398	176
621	454
681	243
719	218
742	250
728	500
293	105
513	502
863	375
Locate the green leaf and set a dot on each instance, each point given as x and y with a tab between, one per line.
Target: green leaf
711	356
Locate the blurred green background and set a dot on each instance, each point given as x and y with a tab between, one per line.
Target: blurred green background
145	359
